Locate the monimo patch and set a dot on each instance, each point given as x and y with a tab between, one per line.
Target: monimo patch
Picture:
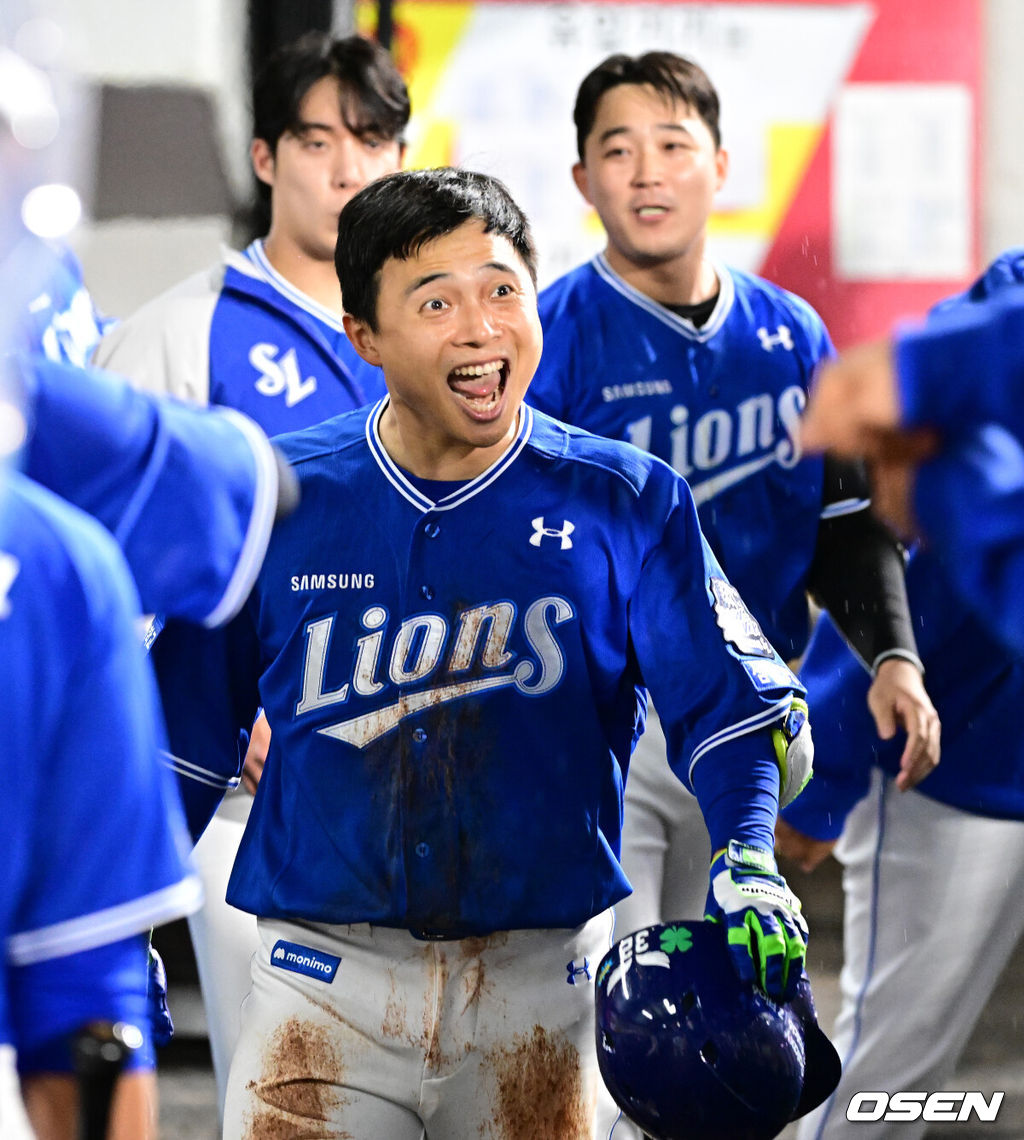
304	960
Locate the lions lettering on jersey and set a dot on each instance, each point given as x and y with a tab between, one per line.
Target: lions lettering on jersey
721	404
418	647
724	435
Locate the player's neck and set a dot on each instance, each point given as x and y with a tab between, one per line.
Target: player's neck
685	280
414	447
310	275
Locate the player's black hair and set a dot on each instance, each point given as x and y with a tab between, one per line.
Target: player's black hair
374	99
398	214
671	75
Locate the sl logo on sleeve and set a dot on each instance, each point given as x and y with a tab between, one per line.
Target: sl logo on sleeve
304	960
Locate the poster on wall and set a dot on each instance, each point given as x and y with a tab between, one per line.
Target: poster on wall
851	129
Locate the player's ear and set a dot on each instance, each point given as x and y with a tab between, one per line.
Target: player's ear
579	176
262	158
721	166
361	338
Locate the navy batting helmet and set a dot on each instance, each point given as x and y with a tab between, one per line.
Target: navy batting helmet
689	1052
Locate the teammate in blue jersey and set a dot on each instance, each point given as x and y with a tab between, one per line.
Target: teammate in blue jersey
81	739
937	410
262	333
452	637
948	855
655	342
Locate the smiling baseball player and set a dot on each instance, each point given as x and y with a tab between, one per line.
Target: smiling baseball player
654	341
451	638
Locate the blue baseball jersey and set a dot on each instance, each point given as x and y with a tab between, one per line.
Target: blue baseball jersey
963	372
975	681
243	337
93	840
720	403
455	686
190	494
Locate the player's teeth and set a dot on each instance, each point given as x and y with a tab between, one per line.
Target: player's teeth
647	211
477	369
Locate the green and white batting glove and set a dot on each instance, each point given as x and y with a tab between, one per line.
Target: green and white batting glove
766	932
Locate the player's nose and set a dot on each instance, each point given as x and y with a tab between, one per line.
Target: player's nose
476	323
349	167
647	171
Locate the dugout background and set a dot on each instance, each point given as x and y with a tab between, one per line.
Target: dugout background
876	157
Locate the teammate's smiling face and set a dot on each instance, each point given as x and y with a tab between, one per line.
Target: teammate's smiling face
651	169
317	167
459	340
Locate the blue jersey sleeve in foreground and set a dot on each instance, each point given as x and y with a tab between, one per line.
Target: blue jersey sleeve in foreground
94	843
965	367
189	493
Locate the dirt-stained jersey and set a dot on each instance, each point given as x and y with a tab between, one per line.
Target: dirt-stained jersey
455	686
720	403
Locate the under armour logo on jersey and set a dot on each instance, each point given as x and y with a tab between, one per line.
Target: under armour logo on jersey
575	971
540	532
280	374
9	569
781	337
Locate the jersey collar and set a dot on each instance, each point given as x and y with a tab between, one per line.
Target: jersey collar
394	475
726	296
256	257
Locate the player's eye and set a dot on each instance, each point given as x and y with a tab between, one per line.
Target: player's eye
504	290
434	305
372	142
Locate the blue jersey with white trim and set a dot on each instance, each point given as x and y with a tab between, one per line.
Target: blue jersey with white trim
454	688
277	355
975	681
92	833
189	493
720	404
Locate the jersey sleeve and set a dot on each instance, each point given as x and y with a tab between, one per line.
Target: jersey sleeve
190	494
965	367
711	672
103	845
106	983
208	683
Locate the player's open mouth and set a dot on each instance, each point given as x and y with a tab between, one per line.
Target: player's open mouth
651	211
480	386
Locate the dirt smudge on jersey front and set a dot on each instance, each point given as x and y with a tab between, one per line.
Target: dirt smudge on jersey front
539	1089
300	1088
